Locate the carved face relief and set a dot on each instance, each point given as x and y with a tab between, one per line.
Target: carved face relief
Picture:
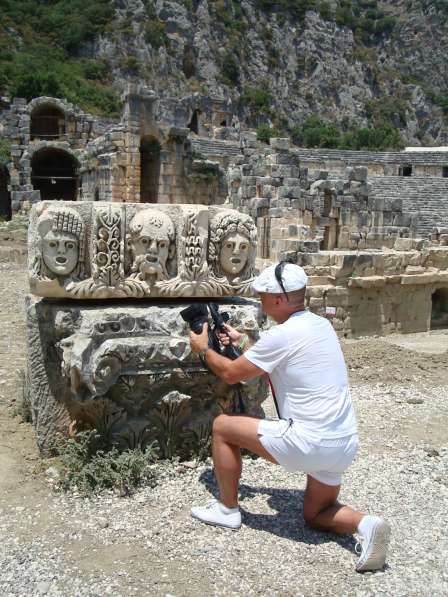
60	252
152	253
234	253
61	243
152	243
232	245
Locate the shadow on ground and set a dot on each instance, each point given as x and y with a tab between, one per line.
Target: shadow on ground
288	520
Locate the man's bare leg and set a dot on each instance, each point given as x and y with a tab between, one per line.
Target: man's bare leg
321	509
230	434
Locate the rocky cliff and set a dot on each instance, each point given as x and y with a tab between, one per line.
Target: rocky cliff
354	64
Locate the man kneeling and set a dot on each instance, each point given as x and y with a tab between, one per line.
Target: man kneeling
317	431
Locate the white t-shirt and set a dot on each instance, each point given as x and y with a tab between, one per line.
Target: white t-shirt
307	370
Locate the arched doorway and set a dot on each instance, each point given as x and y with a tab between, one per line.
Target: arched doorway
439	311
47	122
54	172
194	122
149	169
5	197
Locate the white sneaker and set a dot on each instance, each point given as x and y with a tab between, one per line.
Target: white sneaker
373	546
217	514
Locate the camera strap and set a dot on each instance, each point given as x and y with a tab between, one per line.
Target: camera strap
274	397
240	407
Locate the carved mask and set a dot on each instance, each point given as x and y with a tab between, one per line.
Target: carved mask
151	253
60	252
234	253
152	236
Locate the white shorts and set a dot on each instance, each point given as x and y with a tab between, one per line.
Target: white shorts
322	459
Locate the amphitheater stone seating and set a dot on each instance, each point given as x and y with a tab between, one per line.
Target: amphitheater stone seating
380	157
427	197
214	148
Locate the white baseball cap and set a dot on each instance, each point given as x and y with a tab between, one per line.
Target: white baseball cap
293	278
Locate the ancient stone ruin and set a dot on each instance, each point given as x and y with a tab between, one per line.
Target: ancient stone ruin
370	228
124	366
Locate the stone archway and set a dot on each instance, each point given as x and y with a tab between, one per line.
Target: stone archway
149	169
5	197
439	309
54	172
47	122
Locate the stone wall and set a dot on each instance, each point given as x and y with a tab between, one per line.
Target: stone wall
425	197
300	211
367	293
391	163
106	160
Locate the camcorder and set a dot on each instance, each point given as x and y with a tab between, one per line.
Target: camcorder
198	314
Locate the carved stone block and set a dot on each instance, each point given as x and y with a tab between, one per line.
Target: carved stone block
128	371
91	250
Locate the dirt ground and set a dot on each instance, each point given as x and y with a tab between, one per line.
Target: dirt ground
419	361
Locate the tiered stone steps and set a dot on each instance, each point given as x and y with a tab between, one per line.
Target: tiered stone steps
369	157
214	148
425	196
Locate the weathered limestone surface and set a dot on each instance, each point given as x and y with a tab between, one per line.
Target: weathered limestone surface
87	250
297	211
379	292
128	371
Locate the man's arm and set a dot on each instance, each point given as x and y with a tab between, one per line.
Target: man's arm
229	371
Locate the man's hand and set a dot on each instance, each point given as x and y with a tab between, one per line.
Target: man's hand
199	342
232	336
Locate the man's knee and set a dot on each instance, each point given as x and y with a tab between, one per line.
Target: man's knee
220	424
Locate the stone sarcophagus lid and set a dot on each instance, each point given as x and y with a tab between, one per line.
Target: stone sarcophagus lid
91	250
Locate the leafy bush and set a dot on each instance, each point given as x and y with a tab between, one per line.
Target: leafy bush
325	11
265	132
35	84
442	101
155	34
130	64
364	19
385	25
316	133
46	62
258	100
95	70
297	8
65	23
205	172
381	138
5	152
86	466
230	69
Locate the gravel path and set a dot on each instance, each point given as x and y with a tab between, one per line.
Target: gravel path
147	544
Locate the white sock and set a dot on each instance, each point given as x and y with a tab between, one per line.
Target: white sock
226	510
366	524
